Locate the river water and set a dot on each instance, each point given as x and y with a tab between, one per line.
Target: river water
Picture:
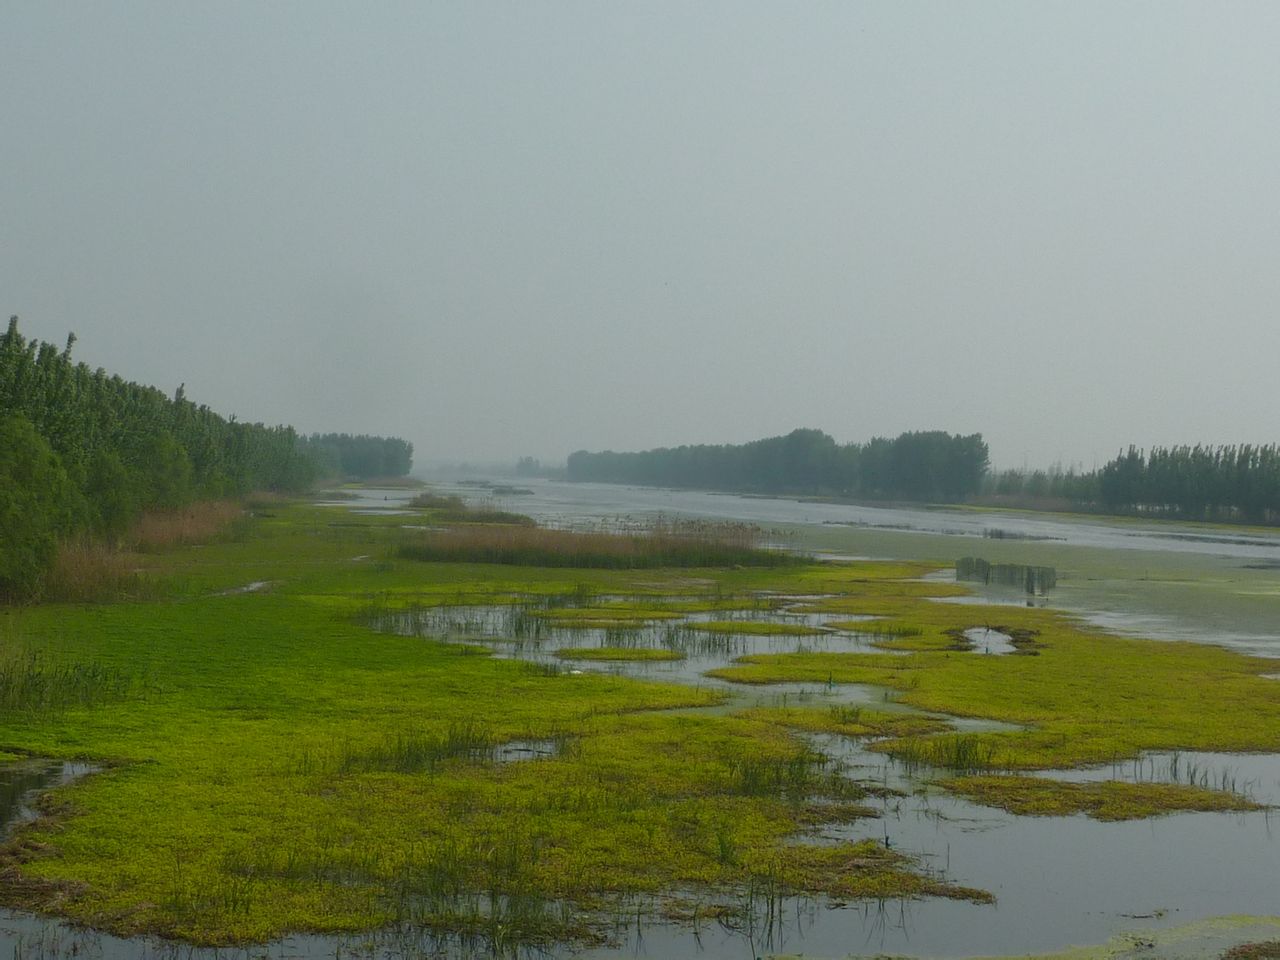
1175	581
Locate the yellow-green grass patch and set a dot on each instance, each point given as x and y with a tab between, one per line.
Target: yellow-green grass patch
1101	800
618	653
849	721
273	766
1087	697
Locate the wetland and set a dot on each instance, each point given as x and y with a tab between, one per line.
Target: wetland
372	750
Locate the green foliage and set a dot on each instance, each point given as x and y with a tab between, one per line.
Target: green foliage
111	492
162	466
173	449
361	456
38	504
1226	483
84	452
928	465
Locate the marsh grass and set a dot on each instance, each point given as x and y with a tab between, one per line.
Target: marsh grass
609	653
31	682
1197	773
483	886
1102	800
88	571
849	720
877	629
667	543
959	752
201	522
436	501
756	628
453	509
798	777
420	751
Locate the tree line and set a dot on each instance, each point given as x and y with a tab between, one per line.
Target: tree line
83	452
1229	483
925	465
358	455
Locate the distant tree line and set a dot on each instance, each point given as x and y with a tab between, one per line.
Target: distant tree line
1209	483
1066	489
924	466
1224	483
360	455
83	453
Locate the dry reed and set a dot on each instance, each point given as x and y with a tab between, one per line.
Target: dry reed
198	523
666	543
85	570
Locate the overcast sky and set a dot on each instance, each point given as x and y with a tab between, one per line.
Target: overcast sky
530	227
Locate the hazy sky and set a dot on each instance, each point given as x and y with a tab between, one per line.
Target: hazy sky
531	227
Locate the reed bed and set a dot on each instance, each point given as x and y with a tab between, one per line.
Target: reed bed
665	544
95	571
88	571
200	522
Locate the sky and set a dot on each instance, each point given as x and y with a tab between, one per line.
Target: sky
527	228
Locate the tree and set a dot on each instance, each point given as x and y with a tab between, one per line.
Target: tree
37	505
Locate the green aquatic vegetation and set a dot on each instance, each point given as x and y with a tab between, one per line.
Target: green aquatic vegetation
618	653
877	628
453	509
1086	697
416	750
756	628
962	753
289	768
849	721
1101	800
32	682
604	617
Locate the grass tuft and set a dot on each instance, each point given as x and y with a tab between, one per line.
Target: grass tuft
33	683
420	751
